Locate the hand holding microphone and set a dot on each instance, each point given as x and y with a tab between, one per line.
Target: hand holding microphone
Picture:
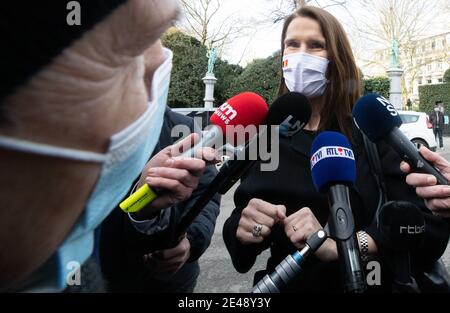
437	197
168	261
177	176
242	110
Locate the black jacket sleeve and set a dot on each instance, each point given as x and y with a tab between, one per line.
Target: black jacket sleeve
437	231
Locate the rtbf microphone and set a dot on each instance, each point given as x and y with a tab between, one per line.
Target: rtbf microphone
379	120
402	228
333	170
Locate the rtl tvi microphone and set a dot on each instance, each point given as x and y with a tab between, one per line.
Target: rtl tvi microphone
333	170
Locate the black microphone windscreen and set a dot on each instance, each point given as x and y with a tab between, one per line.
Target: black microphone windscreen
292	111
375	116
402	225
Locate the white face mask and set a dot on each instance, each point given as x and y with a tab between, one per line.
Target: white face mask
127	154
305	73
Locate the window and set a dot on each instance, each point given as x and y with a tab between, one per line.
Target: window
429	67
419	81
428	81
423	48
439	66
440	80
409	118
433	45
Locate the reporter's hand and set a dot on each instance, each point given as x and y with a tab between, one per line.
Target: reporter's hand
303	224
177	176
437	197
169	261
258	212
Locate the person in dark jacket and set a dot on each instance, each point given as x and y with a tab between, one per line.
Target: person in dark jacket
128	258
281	209
437	120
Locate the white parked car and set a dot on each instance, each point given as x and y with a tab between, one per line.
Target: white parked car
418	129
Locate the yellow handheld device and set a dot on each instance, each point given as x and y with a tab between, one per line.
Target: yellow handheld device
138	200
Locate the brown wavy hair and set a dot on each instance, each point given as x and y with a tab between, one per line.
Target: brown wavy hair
344	87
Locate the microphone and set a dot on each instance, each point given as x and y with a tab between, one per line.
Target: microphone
333	170
291	112
290	267
244	109
379	120
402	228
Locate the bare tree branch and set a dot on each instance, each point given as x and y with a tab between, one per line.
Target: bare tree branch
286	7
380	21
203	21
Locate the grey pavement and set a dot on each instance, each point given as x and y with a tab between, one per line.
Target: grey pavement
217	273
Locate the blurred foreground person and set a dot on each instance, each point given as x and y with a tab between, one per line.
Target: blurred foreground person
76	127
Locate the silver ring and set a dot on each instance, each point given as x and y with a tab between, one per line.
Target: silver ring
256	232
294	228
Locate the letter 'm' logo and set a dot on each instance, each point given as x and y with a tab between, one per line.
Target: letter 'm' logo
226	113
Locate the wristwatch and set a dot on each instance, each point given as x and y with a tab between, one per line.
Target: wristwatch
364	244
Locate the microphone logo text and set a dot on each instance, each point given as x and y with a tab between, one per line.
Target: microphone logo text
226	113
388	105
331	152
412	230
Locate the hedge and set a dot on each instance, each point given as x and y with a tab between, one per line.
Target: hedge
429	94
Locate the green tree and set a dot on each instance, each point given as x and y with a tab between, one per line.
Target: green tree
261	76
380	85
226	75
189	67
447	76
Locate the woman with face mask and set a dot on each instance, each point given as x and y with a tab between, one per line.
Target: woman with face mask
280	210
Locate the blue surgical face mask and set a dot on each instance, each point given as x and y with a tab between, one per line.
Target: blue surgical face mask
125	158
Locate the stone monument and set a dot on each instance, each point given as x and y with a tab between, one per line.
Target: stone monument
210	80
395	73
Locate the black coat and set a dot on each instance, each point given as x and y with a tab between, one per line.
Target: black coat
291	185
437	120
122	246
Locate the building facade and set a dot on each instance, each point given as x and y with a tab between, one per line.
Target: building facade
424	63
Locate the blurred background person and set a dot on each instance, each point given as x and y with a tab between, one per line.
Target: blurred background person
437	120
